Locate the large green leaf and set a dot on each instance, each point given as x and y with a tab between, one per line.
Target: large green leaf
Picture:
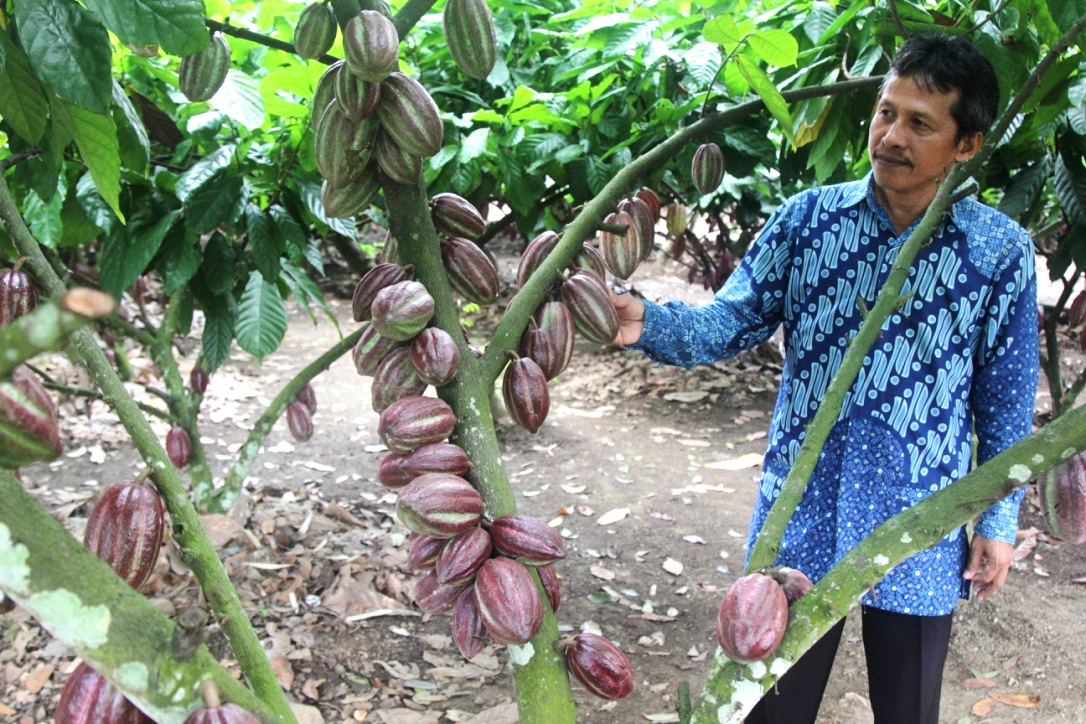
96	137
44	219
1066	13
239	98
179	259
262	318
215	202
262	242
219	315
69	49
1070	185
767	90
776	47
178	26
202	170
22	101
703	61
217	268
307	292
131	133
1024	188
128	251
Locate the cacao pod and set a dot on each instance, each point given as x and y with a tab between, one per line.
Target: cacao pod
29	432
315	31
1076	313
391	473
678	218
435	356
539	346
17	295
528	539
342	202
395	378
409	115
508	601
526	395
308	397
87	698
462	556
549	578
621	252
202	74
651	199
438	457
424	552
224	714
373	281
468	631
124	529
454	215
299	421
198	379
371	46
365	140
324	94
1063	499
534	254
439	505
434	597
589	257
334	136
401	166
600	666
471	273
707	169
470	36
402	310
593	313
179	446
409	423
370	349
792	581
357	98
752	618
644	222
555	319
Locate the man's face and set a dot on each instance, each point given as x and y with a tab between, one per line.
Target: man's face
912	140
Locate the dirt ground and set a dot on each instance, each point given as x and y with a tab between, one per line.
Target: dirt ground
647	472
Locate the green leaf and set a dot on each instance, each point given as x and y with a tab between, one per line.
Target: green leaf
215	202
22	100
262	318
179	259
96	137
217	269
1070	185
776	47
202	170
1024	188
723	31
307	292
818	21
44	219
219	315
262	242
474	145
131	134
767	90
128	250
93	205
69	50
239	98
703	62
1066	12
176	25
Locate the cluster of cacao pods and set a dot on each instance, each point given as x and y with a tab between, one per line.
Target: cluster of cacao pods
622	252
753	615
300	413
202	74
1063	499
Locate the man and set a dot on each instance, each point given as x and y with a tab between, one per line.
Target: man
959	357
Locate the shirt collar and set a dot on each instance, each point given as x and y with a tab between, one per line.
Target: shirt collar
864	190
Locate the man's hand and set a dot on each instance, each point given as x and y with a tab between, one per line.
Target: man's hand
989	563
631	317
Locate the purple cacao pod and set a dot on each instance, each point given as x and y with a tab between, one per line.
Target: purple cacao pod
593	312
124	529
707	169
534	254
600	666
370	349
402	310
223	714
508	601
462	556
439	505
1063	499
526	395
540	346
29	431
434	597
468	632
391	473
621	252
792	581
373	281
435	356
411	422
17	295
555	319
308	397
752	619
528	539
549	578
179	447
394	379
299	421
471	273
424	552
455	216
651	200
87	698
438	457
198	379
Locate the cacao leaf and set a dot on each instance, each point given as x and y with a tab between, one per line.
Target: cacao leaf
126	254
96	137
22	100
177	26
215	203
262	241
217	269
239	97
135	145
219	315
262	318
202	170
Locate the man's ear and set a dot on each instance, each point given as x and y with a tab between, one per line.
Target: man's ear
969	145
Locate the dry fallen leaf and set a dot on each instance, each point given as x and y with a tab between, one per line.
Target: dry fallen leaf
613	516
600	572
978	683
1026	701
982	707
37	679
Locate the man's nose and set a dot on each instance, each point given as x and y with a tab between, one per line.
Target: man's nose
893	135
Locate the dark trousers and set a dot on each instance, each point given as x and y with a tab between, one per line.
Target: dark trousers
905	657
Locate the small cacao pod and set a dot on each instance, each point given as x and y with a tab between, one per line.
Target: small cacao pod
198	379
454	215
371	46
394	379
508	601
462	556
651	199
555	319
468	631
308	397
315	31
621	252
644	222
435	356
526	395
342	202
411	422
124	528
589	257
202	74
534	254
402	310
17	295
29	431
324	94
179	446
223	714
409	115
678	218
439	505
438	457
357	98
401	166
590	305
391	473
424	552
549	578
373	281
539	346
334	136
752	619
792	581
528	539
299	421
471	273
600	666
370	349
470	36
1063	499
707	168
87	698
434	597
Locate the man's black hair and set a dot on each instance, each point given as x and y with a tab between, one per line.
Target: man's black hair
948	62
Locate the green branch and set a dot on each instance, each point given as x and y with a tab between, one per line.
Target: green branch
46	328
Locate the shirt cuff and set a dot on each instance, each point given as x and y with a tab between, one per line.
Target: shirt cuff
1000	522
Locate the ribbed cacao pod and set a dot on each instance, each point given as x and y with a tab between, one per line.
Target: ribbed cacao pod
621	252
299	421
549	578
434	597
644	222
410	116
401	166
370	349
470	36
462	556
1076	313
391	473
199	379
593	313
29	432
792	581
124	529
468	631
17	295
202	74
539	346
600	666
324	94
752	618
371	46
707	169
438	457
471	273
373	281
224	714
357	98
331	146
439	505
435	356
651	200
179	446
394	379
409	423
87	698
1063	499
454	215
343	202
534	254
316	30
678	218
589	257
528	539
526	395
402	310
424	552
508	601
555	319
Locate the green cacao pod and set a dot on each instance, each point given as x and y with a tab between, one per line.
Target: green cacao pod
341	202
411	422
468	632
331	145
371	46
402	310
370	349
397	163
316	30
534	254
435	356
438	457
590	305
454	215
644	222
439	505
410	116
555	319
325	92
621	252
524	389
434	597
600	666
87	698
1063	499
508	601
357	98
373	281
589	257
394	379
29	432
17	295
678	218
470	36
752	619
707	169
528	539
124	529
179	447
202	74
471	273
462	556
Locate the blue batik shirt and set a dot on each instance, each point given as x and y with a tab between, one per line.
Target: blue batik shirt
959	355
